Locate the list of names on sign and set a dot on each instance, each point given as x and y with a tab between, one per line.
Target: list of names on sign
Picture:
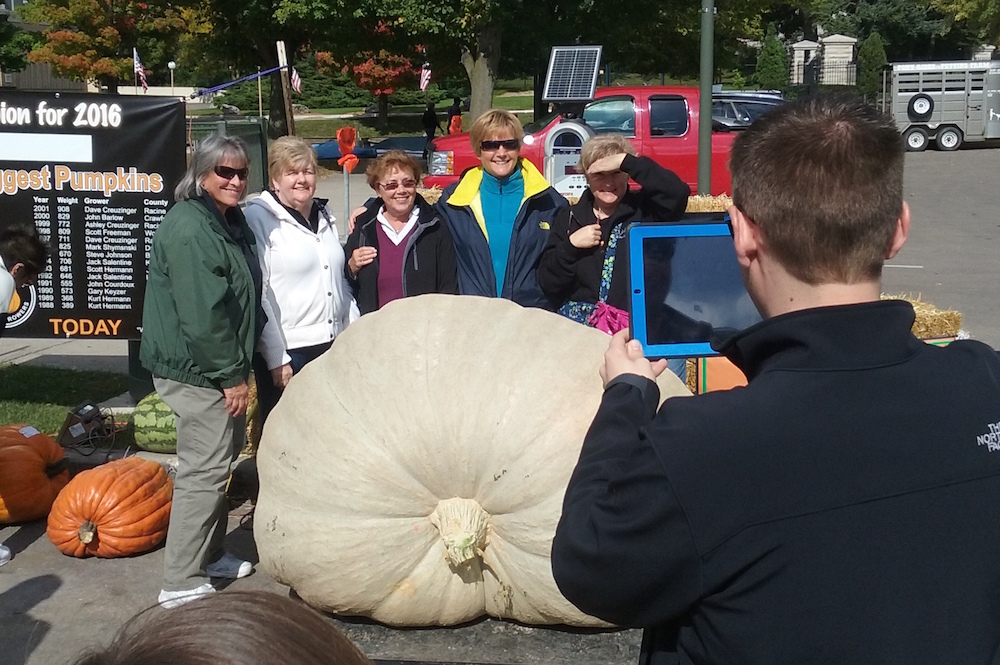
94	174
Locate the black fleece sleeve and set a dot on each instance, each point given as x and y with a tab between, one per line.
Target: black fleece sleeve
557	265
622	550
663	196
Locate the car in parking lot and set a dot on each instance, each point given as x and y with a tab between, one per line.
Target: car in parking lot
736	110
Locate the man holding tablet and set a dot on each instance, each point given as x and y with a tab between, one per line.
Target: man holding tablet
836	509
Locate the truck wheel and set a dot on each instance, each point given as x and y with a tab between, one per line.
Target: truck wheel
916	139
920	107
948	139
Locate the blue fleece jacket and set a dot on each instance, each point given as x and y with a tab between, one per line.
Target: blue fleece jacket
501	199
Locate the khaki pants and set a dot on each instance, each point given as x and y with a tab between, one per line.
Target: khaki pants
208	442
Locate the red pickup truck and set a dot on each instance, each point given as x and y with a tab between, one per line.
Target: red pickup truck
661	122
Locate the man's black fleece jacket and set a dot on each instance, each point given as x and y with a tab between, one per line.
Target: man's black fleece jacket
839	509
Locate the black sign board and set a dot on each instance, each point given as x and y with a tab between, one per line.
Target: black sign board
95	174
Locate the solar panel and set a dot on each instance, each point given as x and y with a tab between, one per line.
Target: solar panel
572	75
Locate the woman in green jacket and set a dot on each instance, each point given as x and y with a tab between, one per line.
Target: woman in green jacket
200	321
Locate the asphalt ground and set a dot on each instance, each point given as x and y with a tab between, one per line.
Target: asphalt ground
52	606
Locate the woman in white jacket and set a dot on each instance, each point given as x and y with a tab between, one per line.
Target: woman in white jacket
306	296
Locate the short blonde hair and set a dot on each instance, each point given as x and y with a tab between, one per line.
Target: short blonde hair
494	121
605	145
287	153
387	162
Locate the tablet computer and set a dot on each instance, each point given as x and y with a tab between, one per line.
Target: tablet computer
685	286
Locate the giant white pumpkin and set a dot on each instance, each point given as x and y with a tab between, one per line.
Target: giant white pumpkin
415	472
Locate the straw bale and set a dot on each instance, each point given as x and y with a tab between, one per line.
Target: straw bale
930	322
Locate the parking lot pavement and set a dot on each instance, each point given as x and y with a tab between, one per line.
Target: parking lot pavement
51	606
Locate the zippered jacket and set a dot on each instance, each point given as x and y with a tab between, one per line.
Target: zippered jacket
199	311
306	298
462	210
428	263
837	509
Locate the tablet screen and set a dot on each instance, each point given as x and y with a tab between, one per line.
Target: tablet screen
686	288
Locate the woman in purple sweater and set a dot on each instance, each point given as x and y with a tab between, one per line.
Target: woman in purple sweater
399	246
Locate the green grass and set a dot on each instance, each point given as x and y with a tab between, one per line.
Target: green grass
41	396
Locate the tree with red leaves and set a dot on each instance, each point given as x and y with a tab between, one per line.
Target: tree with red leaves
92	40
381	71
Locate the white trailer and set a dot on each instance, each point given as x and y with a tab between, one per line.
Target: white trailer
947	102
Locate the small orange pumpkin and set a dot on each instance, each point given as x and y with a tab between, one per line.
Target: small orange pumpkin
33	469
117	509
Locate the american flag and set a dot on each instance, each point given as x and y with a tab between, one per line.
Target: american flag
425	76
139	69
296	81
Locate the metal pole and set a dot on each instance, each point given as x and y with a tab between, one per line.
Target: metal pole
705	103
260	97
347	196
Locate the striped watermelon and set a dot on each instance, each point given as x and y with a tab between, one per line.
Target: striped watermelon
153	424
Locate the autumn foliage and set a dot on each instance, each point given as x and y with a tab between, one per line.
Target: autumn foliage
92	40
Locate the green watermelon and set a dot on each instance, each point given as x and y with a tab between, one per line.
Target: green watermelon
153	425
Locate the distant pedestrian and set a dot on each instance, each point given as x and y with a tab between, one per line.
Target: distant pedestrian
455	111
431	125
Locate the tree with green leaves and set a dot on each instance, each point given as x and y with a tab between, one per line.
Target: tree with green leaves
981	16
92	40
772	63
871	62
15	44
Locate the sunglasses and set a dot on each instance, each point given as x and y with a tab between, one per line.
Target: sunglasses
409	183
227	172
506	144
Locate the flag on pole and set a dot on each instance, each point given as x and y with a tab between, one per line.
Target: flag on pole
425	76
296	81
139	69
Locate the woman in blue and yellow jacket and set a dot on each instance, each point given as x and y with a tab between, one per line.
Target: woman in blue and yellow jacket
499	216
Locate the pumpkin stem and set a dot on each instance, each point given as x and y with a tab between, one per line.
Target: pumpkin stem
55	468
87	532
463	525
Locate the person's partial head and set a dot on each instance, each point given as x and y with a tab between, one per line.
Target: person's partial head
496	140
822	180
430	106
291	166
24	253
218	166
457	101
394	176
229	628
608	187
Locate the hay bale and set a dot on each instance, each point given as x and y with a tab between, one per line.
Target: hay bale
709	203
931	322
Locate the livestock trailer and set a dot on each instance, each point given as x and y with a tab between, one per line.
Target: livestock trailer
947	102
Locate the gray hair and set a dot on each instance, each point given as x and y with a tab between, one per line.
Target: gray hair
601	146
210	152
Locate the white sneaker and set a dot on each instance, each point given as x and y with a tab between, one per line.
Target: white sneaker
172	599
5	554
230	567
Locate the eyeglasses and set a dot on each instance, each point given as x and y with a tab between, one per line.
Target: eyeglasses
227	172
392	186
506	144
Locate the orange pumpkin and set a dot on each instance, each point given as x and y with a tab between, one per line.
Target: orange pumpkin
33	469
117	509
